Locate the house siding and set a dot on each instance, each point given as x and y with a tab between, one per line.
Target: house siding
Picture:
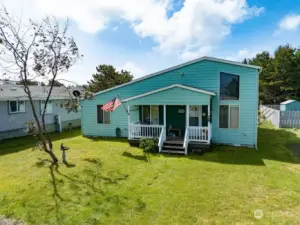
13	125
203	75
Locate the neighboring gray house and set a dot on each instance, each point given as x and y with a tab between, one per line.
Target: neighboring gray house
15	109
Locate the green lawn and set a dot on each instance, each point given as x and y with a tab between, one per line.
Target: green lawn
108	182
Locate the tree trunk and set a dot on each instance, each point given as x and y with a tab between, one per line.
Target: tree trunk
53	157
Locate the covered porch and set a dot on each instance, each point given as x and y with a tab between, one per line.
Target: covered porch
176	115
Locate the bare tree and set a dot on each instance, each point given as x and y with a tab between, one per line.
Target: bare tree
36	51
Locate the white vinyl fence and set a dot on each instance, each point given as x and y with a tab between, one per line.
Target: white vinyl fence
281	119
270	114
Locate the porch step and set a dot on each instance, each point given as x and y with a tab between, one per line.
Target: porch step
173	152
171	142
173	147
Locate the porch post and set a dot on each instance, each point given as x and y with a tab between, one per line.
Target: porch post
209	122
165	122
165	116
129	131
187	116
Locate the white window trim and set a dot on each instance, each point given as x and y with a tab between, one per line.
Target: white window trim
150	114
229	106
46	113
17	101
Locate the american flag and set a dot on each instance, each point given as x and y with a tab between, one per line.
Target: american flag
111	105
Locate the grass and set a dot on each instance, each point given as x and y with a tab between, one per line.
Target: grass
108	182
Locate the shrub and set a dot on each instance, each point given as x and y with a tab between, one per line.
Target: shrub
148	145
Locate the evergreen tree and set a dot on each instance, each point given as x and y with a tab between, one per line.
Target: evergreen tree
106	77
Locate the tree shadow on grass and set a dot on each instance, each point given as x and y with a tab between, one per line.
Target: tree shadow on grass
272	145
93	188
136	157
18	144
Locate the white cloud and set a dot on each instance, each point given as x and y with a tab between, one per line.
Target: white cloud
195	30
243	54
198	25
290	22
134	69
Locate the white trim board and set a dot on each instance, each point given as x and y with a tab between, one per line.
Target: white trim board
169	87
182	65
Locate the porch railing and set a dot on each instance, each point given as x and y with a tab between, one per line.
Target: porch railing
162	138
144	131
199	134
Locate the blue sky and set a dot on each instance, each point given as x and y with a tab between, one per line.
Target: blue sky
144	36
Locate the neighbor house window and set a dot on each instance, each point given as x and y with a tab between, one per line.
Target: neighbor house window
150	114
229	116
16	106
229	86
102	116
49	107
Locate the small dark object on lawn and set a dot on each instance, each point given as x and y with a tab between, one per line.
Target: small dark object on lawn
64	148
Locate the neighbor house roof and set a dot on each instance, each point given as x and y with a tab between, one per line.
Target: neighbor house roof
16	92
179	66
169	87
287	102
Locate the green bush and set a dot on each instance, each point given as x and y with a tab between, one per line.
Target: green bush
148	145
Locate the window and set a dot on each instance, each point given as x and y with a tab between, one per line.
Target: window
195	115
150	114
229	116
49	107
229	86
16	106
102	116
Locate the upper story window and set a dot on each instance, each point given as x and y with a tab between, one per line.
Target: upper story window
229	86
49	107
102	116
17	106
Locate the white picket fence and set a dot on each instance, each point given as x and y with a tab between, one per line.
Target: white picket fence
281	119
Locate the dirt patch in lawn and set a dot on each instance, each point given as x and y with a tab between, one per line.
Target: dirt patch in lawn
8	221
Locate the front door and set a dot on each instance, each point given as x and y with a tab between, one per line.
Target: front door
175	120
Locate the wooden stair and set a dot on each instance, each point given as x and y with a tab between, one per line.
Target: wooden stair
173	147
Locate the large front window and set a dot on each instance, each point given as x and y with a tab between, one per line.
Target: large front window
229	86
150	114
229	116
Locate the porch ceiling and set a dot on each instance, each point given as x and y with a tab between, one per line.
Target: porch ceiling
176	94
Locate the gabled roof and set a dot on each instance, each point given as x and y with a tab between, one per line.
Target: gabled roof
179	66
287	102
169	87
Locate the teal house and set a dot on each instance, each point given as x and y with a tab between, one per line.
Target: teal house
201	102
290	105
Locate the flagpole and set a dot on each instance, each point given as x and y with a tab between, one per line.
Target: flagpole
123	104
